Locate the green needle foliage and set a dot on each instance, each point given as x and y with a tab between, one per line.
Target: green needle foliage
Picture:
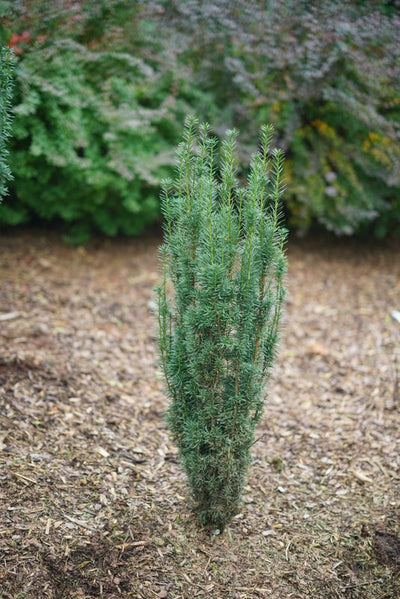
6	74
218	331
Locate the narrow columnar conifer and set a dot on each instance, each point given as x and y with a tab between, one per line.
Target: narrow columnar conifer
6	73
223	253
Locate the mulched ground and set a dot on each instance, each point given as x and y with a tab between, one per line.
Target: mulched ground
93	502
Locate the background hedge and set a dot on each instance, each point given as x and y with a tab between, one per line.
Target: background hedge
102	89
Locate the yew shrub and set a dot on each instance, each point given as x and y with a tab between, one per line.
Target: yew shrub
224	254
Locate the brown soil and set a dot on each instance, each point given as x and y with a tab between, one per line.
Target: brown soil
93	502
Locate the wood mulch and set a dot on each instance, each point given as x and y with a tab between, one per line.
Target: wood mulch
93	502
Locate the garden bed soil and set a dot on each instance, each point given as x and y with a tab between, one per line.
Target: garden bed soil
93	502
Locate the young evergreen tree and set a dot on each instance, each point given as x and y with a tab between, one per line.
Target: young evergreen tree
6	68
224	254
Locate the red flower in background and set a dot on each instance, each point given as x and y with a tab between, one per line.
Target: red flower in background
13	41
18	41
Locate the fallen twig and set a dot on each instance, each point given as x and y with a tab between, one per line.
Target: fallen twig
79	523
9	316
360	584
25	479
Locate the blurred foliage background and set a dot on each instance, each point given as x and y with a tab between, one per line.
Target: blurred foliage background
102	89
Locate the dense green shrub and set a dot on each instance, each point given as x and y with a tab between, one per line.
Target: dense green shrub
224	255
327	74
85	149
95	126
6	74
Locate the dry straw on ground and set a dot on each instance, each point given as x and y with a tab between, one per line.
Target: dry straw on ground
93	502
